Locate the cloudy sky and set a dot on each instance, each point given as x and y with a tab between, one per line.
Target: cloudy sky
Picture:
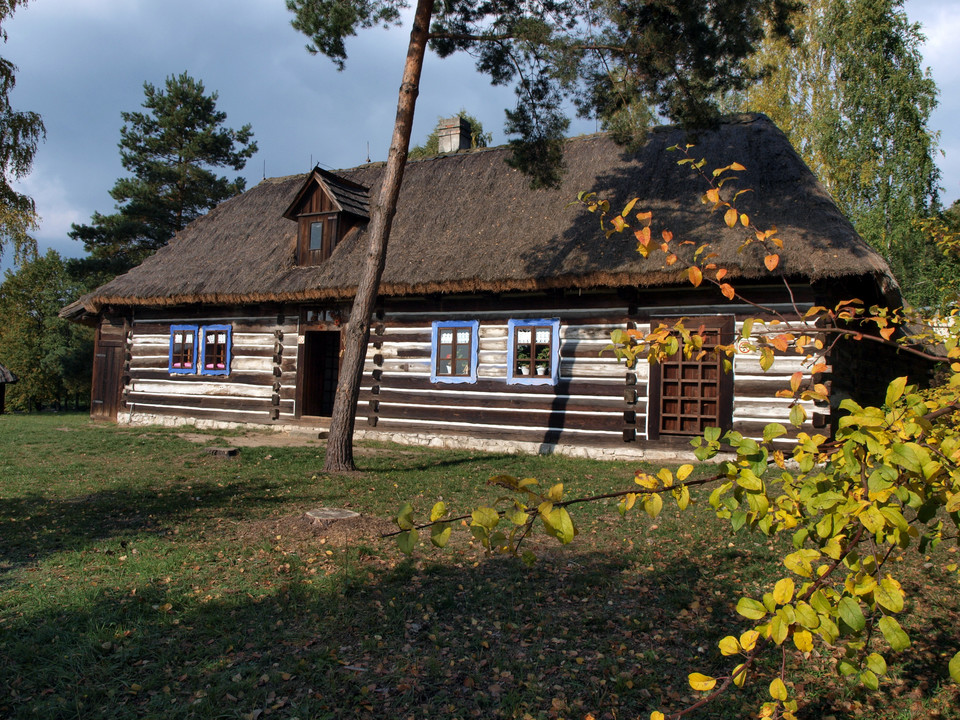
82	62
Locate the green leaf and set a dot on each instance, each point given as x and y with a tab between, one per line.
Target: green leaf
893	633
407	541
485	517
797	415
405	517
895	390
751	609
954	668
773	430
869	680
749	481
851	613
903	455
800	562
559	524
440	534
888	595
876	663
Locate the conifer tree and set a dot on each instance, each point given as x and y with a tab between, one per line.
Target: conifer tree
172	151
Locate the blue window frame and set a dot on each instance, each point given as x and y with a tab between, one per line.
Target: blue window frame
183	349
216	346
533	352
200	349
453	357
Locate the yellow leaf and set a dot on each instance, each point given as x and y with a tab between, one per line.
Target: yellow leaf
721	273
783	591
556	493
729	646
701	682
778	691
803	640
713	195
748	640
683	472
667	236
745	220
739	675
727	290
645	217
730	217
657	715
771	261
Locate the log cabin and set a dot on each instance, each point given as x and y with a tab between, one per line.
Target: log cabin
496	302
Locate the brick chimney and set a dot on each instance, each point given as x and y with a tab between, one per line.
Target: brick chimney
453	134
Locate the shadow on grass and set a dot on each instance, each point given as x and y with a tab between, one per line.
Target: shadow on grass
577	633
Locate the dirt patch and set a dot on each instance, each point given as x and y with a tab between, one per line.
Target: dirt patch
301	529
258	439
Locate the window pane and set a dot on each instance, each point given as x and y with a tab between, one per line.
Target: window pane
316	236
523	336
543	336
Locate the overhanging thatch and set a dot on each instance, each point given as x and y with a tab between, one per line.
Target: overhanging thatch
468	222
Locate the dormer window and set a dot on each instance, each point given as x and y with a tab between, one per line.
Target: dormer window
326	208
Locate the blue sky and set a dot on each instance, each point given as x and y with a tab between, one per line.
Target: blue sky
82	62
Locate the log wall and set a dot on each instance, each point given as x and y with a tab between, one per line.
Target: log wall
598	401
260	388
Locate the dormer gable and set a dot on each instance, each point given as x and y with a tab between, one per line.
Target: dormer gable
326	208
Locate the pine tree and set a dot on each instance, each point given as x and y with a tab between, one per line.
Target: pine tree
171	151
20	132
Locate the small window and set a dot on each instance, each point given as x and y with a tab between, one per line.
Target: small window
316	236
203	350
533	352
183	349
454	352
216	350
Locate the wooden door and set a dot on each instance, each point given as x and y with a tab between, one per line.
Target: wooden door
319	372
690	394
107	371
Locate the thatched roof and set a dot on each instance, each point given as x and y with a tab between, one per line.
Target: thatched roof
468	222
7	377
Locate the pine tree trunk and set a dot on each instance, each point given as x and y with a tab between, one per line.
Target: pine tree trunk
357	331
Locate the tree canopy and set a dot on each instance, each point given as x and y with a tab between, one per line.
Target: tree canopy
854	99
20	132
622	62
51	356
171	150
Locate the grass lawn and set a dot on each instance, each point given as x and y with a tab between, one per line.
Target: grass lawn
142	577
